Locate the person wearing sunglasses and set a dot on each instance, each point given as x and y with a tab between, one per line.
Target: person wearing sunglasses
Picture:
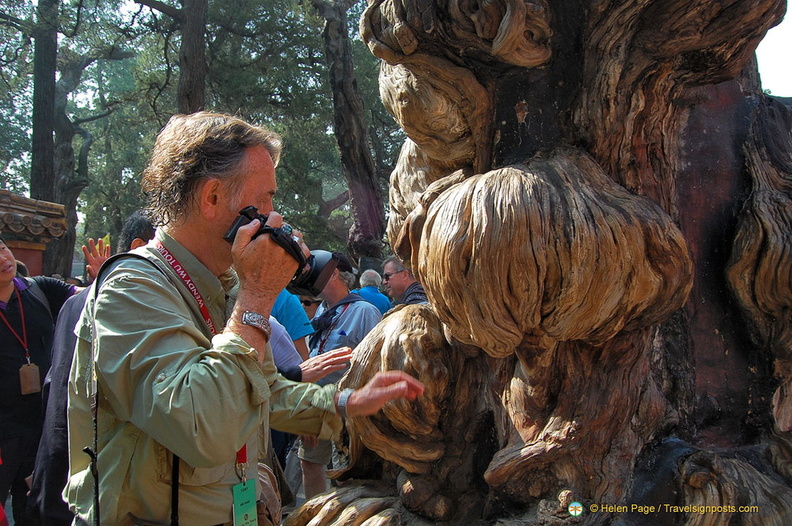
400	284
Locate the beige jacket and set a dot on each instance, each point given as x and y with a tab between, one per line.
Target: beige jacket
166	385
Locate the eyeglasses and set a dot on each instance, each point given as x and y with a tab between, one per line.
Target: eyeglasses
387	277
308	303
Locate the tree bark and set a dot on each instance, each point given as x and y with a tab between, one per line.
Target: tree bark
192	57
596	198
360	172
42	176
191	92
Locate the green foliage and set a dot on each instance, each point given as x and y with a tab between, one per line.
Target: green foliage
266	63
16	64
117	158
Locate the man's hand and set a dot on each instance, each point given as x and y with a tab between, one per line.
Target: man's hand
95	255
263	266
384	387
323	364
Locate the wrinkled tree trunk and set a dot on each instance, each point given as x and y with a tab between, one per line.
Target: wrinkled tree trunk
191	92
596	198
360	172
42	179
42	175
71	172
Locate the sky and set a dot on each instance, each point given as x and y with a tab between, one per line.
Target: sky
775	60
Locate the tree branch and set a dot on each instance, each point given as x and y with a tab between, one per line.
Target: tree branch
163	8
78	122
327	207
76	28
25	26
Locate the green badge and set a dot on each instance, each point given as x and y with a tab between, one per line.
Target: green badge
245	504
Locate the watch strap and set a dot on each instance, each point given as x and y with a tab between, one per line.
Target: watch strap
259	321
343	399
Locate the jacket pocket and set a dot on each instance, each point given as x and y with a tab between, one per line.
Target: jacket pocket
188	475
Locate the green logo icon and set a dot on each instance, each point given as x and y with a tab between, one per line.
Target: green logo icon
575	509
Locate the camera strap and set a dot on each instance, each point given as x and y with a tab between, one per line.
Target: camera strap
289	244
241	456
177	267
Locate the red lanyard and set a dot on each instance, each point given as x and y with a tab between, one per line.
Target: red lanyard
23	340
182	273
241	456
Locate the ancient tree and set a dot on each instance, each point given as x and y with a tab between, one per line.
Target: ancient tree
42	176
596	197
349	125
191	19
72	167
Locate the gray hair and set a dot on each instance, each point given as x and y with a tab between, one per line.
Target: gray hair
347	277
195	147
398	264
370	278
394	260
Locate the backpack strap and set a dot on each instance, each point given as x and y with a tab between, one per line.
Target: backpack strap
100	276
93	451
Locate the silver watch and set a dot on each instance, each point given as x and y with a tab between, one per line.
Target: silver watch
259	321
343	398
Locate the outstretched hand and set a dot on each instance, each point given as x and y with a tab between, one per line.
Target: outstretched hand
95	256
319	366
384	387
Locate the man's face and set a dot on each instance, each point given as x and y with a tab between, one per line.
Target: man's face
395	281
8	265
255	186
259	187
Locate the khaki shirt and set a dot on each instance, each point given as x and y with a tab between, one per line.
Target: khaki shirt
167	385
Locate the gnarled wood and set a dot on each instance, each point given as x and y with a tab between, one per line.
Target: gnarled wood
556	200
552	250
760	271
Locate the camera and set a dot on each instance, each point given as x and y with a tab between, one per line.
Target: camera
313	272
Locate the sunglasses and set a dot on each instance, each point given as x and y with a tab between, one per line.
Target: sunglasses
387	277
308	303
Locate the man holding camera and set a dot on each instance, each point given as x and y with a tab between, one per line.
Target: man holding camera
183	398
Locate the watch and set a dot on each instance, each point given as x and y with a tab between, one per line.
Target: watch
343	398
259	321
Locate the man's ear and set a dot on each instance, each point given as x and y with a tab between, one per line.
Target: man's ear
209	198
137	242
